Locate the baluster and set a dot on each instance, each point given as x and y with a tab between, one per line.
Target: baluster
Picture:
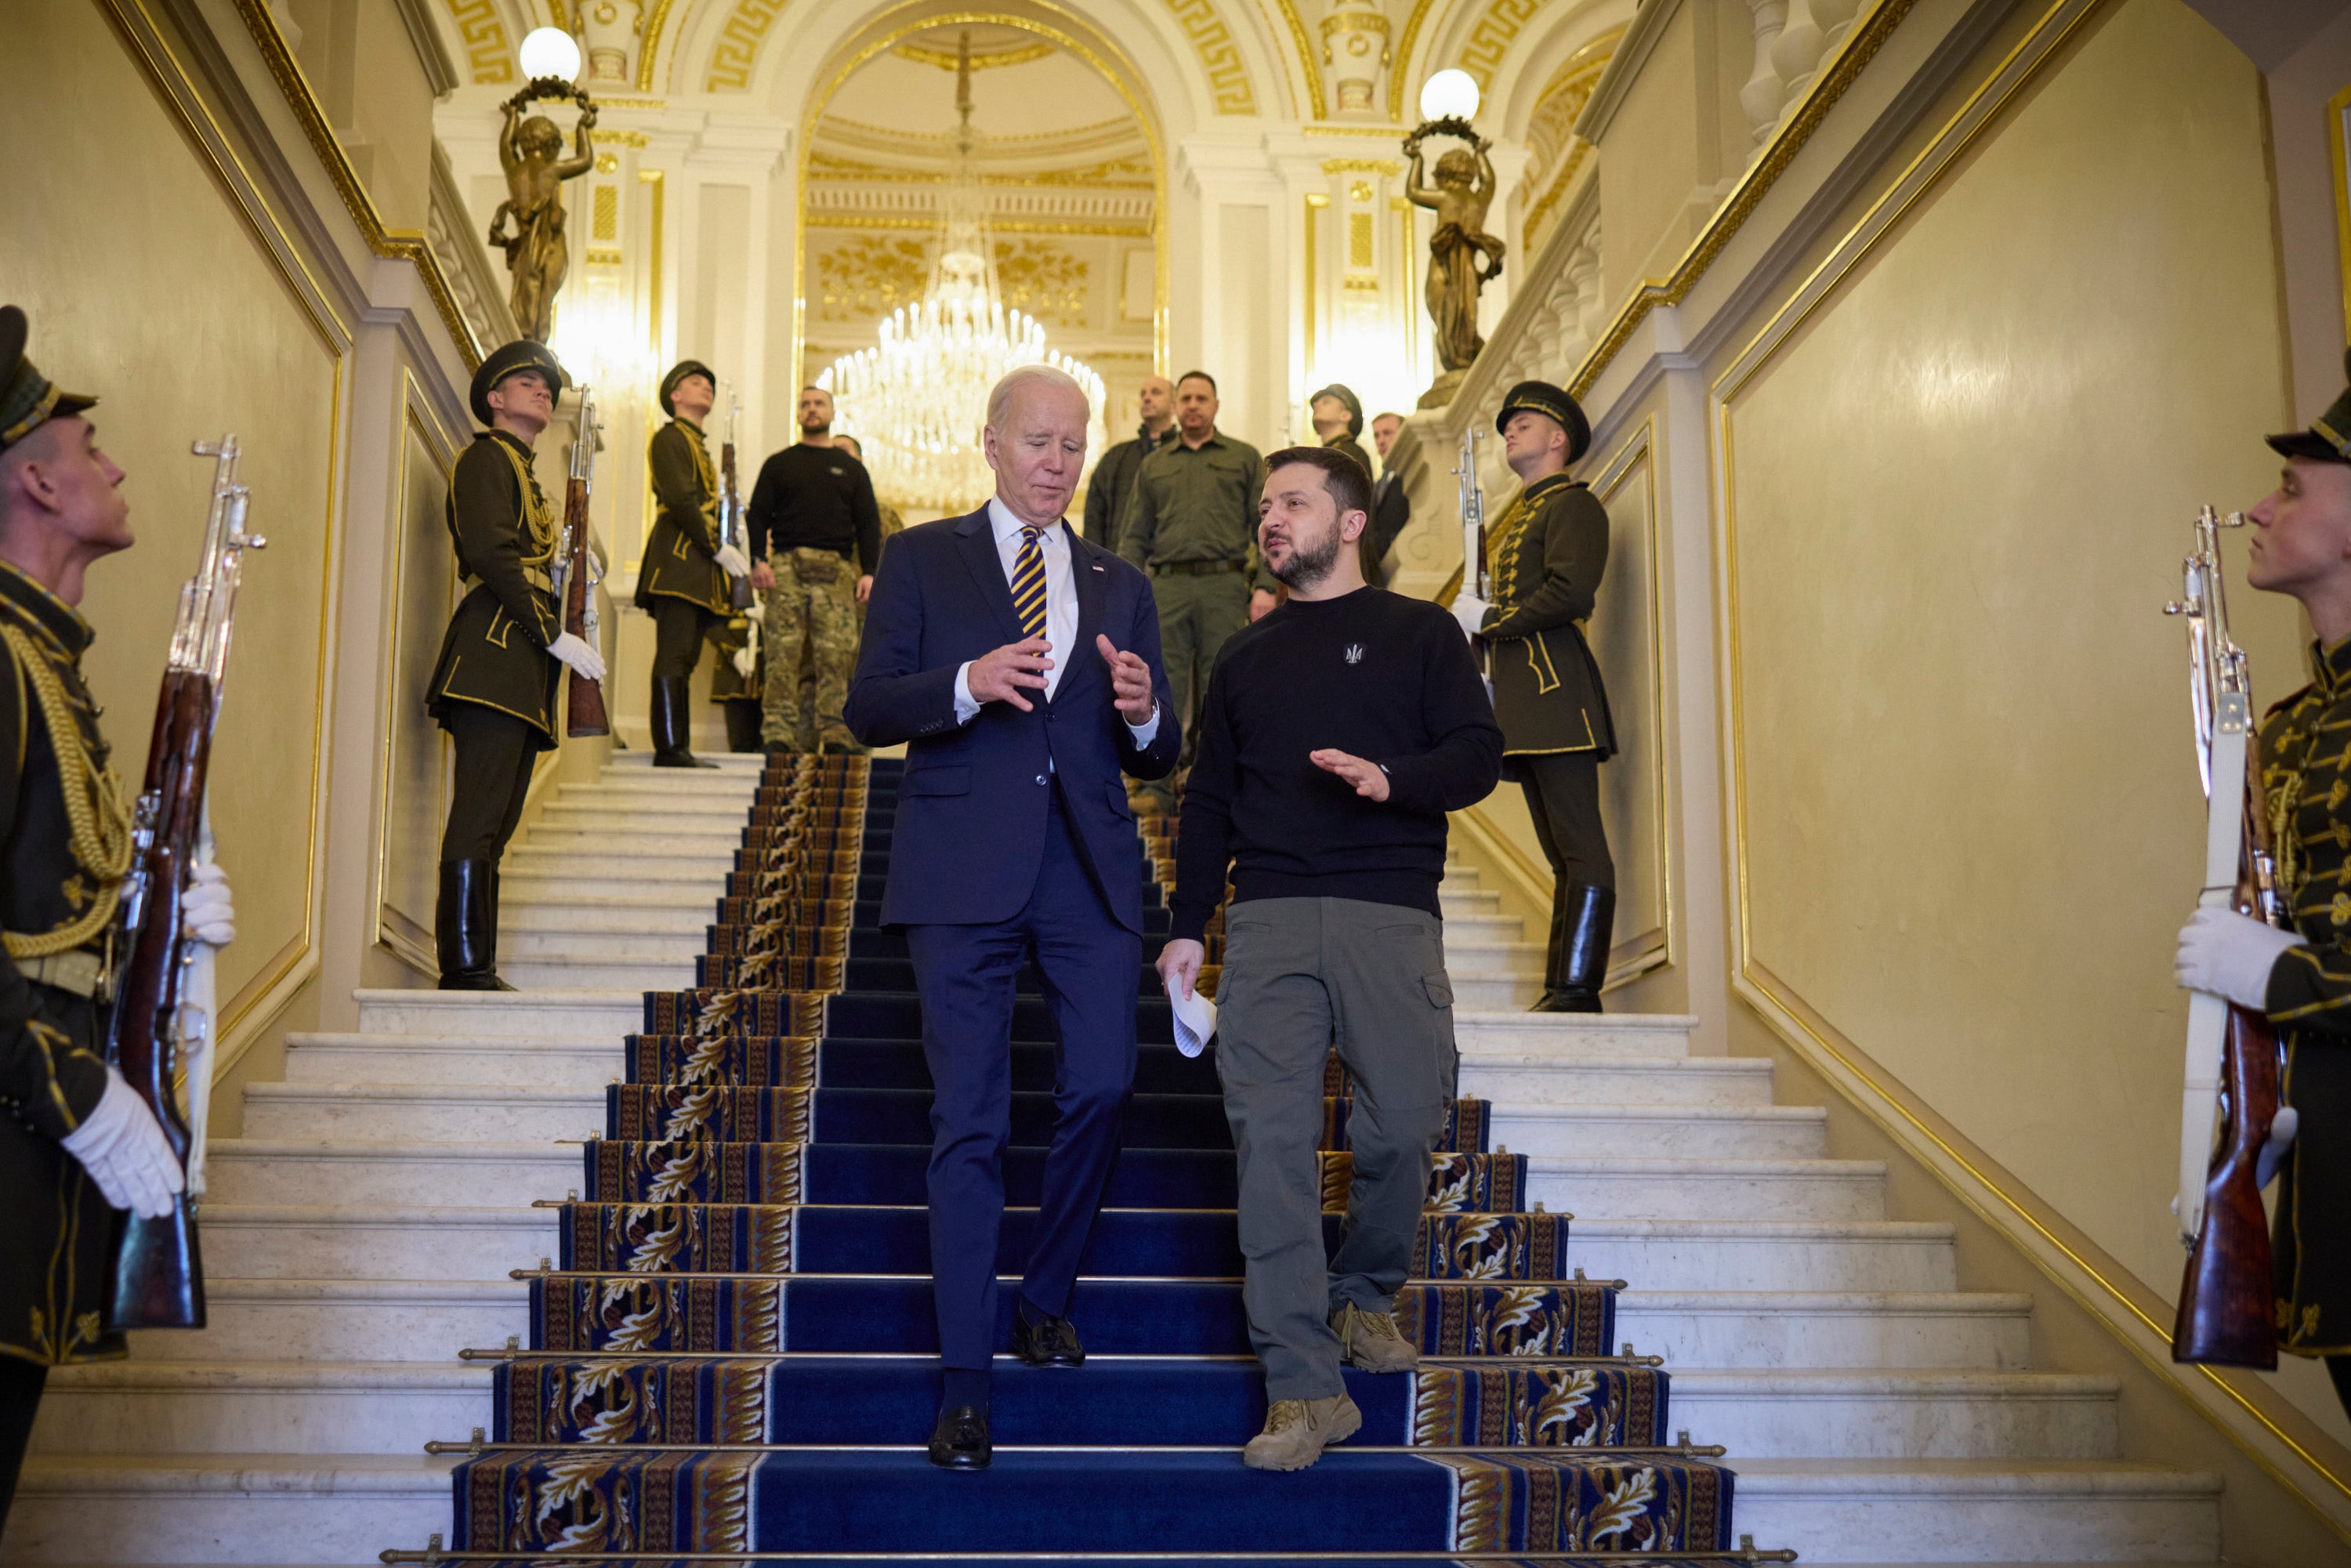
1765	91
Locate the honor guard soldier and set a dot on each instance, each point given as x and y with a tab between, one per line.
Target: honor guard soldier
733	687
2302	976
683	585
76	1142
1545	555
494	689
1337	414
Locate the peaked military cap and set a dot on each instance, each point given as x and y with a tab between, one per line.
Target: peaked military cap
1345	395
678	372
2329	439
27	398
1542	397
522	354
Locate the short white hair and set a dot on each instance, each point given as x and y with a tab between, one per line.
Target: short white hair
1000	398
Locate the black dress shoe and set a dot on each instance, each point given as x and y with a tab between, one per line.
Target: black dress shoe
1053	1342
959	1442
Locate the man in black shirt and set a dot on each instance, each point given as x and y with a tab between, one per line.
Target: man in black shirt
1337	732
815	535
1113	477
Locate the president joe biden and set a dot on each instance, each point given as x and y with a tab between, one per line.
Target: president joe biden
1020	666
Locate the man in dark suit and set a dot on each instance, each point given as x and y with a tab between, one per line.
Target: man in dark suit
1021	664
1391	507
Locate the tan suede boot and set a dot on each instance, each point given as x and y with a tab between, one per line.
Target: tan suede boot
1298	1430
1371	1341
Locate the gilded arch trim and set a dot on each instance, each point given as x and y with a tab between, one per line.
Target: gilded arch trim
489	53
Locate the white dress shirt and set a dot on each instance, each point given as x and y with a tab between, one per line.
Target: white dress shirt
1060	612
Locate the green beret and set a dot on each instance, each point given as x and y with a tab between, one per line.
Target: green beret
2329	439
677	373
1542	397
1347	395
522	354
27	398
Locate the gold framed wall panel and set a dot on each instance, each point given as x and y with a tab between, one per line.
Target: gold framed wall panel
2338	158
279	403
414	617
2134	1312
1634	463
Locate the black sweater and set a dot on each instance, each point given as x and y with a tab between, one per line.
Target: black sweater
815	497
1377	675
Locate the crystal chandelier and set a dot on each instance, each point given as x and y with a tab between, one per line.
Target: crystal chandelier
916	400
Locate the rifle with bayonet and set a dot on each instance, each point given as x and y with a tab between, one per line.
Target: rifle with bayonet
732	527
576	575
1476	576
161	1025
2229	1094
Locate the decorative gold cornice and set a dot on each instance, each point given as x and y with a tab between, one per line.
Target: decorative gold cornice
946	61
1362	166
410	248
1404	58
1305	49
489	53
928	223
649	43
1861	46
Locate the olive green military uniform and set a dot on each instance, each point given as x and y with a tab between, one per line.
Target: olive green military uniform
1545	555
1112	484
1352	448
2305	744
61	866
737	693
681	557
1191	524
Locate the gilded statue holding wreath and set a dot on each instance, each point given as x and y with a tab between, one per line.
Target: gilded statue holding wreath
531	152
1462	257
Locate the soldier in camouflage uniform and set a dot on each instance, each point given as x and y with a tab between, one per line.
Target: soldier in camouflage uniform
77	1143
494	689
2302	976
686	583
816	534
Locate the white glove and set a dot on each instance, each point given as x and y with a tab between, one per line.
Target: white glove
584	661
2231	955
205	912
732	559
746	662
756	612
2283	1127
1471	611
122	1148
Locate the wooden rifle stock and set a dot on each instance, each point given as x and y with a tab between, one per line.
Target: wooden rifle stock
2227	1297
583	712
159	1277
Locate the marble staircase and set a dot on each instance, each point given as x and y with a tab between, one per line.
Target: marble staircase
362	1233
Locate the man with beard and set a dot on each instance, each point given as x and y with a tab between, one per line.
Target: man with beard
1113	476
1336	734
816	534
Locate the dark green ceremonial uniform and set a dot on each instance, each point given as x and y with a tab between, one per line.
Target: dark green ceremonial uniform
55	1231
1352	448
681	556
495	655
1548	552
2306	783
737	694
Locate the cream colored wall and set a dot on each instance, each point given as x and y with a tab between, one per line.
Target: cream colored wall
360	63
146	288
1956	499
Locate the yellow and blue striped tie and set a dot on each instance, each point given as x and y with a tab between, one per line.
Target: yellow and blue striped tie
1029	583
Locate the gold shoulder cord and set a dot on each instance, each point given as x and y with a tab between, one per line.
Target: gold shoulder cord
538	517
95	812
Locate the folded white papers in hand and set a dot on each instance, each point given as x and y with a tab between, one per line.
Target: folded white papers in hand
1195	1019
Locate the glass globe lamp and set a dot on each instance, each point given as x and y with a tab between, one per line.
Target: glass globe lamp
550	52
1450	94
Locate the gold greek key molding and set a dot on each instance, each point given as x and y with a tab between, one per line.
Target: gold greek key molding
1492	36
737	53
1219	57
489	53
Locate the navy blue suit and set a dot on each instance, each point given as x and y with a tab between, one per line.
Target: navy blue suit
1014	842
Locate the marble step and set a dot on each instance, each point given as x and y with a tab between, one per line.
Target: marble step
1796	1255
1459	903
1843	1413
535	857
587	1017
637	971
1769	1329
425	1113
260	1406
1496	992
1484	1032
731	802
637	764
461	1176
256	1509
332	1321
304	1241
693	890
1708	1189
1565	1082
1941	1510
448	1059
1680	1132
598	918
531	943
1476	959
1483	928
624	825
640	842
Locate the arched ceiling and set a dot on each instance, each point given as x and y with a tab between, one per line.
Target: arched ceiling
1021	85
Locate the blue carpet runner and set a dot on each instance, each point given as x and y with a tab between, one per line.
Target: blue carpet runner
736	1353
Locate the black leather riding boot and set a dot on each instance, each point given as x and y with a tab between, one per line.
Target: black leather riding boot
1582	917
463	928
673	725
1554	964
